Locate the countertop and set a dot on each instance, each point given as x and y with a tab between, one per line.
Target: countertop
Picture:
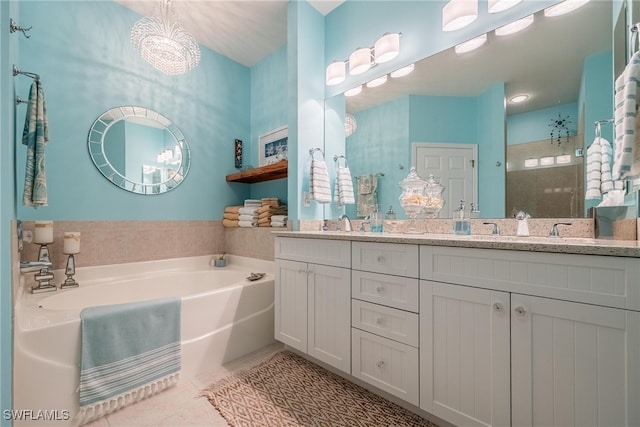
569	245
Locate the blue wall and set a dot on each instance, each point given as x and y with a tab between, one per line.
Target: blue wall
534	125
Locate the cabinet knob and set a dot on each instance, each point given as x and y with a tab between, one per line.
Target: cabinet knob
498	307
380	320
520	310
380	259
380	289
380	364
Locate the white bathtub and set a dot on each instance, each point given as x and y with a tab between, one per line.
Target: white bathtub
224	316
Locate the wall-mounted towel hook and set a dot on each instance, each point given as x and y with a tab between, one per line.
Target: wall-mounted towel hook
13	27
17	71
20	101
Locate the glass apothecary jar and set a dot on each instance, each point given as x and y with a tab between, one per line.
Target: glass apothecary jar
433	194
412	199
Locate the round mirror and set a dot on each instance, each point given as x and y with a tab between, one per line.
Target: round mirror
139	150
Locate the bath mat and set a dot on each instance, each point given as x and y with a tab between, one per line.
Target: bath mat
287	390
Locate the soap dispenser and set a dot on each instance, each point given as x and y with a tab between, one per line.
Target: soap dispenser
375	221
461	222
523	226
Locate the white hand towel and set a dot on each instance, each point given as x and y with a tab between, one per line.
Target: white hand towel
319	182
279	218
247	223
594	167
345	186
243	217
248	211
278	224
626	163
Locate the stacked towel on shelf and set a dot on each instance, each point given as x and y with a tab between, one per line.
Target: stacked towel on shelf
265	213
279	221
319	182
367	194
231	216
343	194
248	216
252	203
626	163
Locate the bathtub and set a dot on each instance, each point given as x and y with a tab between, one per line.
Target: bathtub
223	317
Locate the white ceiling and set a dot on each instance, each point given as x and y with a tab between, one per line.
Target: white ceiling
246	31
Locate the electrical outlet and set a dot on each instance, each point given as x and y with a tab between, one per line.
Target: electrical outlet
579	152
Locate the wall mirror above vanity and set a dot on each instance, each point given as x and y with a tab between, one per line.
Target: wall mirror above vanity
139	150
565	65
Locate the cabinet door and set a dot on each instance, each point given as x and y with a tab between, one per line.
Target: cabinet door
574	364
290	306
464	354
330	315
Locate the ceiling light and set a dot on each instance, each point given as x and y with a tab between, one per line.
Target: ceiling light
547	161
353	91
470	45
518	99
564	7
401	72
335	73
530	163
350	125
163	43
360	60
515	26
563	159
377	82
387	47
496	6
458	14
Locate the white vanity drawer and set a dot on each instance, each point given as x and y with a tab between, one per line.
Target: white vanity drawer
386	364
388	258
393	291
398	325
318	251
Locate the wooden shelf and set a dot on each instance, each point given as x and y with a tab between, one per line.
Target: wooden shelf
263	173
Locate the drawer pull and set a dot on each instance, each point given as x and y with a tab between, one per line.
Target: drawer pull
380	364
380	289
380	321
520	310
498	307
380	259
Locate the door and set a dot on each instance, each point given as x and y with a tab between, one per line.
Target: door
290	306
464	354
330	315
455	166
574	364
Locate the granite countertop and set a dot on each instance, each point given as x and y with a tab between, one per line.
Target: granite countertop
568	245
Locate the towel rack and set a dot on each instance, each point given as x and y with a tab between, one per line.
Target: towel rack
635	28
598	124
13	27
337	158
17	71
312	151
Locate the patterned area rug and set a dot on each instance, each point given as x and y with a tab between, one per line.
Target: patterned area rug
287	390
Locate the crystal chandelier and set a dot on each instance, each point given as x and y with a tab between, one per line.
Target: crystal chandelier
163	43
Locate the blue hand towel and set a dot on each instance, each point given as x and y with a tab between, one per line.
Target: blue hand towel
35	136
129	352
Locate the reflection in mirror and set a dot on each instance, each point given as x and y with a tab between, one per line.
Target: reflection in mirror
139	150
564	64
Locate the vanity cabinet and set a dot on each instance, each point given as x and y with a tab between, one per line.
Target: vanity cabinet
313	298
489	356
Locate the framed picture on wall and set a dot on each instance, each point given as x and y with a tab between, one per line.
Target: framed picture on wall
272	146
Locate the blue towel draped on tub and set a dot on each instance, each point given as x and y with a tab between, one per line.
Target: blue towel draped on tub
129	352
35	136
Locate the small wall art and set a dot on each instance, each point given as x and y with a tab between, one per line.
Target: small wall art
238	153
273	146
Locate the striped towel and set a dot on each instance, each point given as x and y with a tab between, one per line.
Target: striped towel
129	352
35	136
319	182
594	171
343	194
626	163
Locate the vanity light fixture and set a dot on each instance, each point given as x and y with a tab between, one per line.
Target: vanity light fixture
531	163
458	14
163	43
470	45
350	125
353	91
515	26
547	161
378	81
387	47
360	61
401	72
563	159
496	6
565	6
517	99
335	73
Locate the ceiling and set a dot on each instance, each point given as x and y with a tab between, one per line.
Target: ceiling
246	31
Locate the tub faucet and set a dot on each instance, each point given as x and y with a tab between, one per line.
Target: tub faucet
347	222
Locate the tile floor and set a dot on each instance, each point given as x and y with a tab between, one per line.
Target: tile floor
181	405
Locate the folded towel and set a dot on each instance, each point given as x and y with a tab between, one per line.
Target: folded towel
252	203
319	182
35	136
243	217
269	208
272	212
248	211
230	222
247	223
266	220
278	224
228	215
344	187
232	209
270	201
129	352
266	224
594	170
281	218
626	163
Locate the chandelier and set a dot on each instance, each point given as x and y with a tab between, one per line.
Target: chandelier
163	43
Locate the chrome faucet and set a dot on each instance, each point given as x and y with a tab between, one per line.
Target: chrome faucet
554	229
347	222
496	229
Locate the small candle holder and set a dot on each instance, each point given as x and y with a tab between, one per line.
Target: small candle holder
43	253
69	271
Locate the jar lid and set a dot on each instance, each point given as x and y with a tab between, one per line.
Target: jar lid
433	184
412	180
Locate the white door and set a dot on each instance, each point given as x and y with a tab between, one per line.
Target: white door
330	315
464	354
456	167
290	306
574	364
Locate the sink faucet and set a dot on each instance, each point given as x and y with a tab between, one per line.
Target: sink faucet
554	229
347	222
496	229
